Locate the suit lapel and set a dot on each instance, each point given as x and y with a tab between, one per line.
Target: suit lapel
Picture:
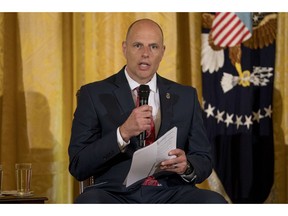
125	99
166	104
123	93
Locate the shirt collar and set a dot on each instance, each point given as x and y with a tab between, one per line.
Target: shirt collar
133	84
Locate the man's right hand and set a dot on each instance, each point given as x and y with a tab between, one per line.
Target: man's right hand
138	121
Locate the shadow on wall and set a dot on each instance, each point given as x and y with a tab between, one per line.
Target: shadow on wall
38	145
24	118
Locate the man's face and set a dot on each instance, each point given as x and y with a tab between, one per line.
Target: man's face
143	50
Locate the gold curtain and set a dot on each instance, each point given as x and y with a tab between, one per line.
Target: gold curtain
279	193
46	57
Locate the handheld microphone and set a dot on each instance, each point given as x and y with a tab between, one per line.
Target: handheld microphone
143	95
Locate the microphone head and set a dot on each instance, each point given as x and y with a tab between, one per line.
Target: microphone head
144	91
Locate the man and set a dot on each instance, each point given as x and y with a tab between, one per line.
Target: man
107	123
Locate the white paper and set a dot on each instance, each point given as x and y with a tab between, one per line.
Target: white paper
146	160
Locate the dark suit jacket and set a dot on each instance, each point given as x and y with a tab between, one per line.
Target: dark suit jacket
103	106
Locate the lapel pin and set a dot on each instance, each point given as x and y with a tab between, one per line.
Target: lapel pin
168	95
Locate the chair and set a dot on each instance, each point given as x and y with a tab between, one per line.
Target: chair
86	183
89	181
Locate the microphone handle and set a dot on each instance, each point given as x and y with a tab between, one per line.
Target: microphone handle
142	135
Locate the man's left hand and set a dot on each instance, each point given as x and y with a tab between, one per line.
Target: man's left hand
177	164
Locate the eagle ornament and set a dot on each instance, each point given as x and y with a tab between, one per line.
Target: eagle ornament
262	33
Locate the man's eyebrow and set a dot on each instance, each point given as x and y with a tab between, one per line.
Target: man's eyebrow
149	44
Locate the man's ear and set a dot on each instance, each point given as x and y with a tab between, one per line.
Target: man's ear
124	46
164	48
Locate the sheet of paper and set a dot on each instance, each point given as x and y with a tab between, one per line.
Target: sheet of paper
146	160
165	144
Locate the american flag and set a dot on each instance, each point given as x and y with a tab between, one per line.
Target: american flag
239	121
230	29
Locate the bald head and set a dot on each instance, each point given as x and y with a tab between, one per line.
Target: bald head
143	50
138	24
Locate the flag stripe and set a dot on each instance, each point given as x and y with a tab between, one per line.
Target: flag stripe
229	30
232	34
237	37
224	31
221	25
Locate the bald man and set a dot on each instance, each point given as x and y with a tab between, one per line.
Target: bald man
107	123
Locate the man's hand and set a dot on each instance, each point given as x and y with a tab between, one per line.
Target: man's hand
138	121
177	164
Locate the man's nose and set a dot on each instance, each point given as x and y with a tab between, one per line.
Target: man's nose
146	51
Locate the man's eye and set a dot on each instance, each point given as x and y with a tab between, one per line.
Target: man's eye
154	47
137	45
